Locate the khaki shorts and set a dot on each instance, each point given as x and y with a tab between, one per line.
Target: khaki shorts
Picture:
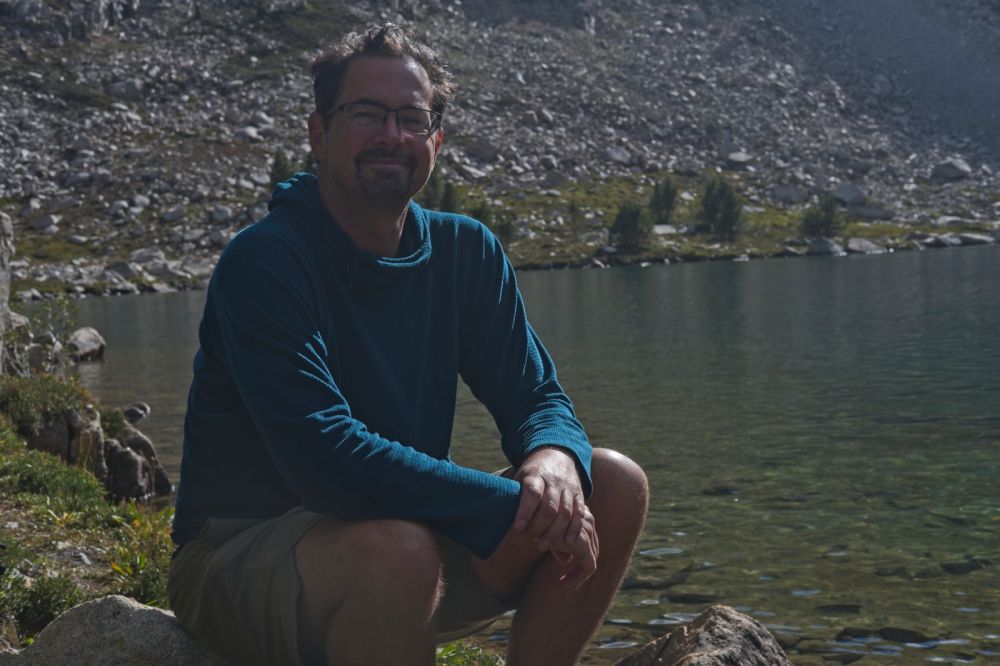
235	588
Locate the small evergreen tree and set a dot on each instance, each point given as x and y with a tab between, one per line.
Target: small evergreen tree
281	168
721	208
662	201
632	227
821	219
483	212
450	200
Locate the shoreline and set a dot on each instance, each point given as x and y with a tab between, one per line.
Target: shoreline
26	291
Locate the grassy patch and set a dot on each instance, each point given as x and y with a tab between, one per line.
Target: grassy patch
464	654
28	402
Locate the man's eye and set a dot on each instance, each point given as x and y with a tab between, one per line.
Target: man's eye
366	117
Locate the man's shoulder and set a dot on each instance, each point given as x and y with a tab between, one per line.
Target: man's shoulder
465	231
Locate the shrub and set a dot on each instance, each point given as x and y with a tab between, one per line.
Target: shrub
31	401
721	208
450	199
463	654
56	316
501	225
34	605
662	201
821	219
632	226
141	559
58	490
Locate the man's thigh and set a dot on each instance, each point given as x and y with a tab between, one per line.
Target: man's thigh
236	589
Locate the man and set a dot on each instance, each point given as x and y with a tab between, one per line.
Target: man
319	518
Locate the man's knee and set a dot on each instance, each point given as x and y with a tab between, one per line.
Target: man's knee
619	483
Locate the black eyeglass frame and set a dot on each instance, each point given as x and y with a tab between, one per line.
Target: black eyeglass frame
436	117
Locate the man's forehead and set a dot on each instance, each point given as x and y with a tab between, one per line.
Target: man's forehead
369	75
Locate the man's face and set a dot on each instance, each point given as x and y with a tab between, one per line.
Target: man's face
382	162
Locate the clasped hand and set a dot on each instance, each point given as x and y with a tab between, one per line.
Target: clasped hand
552	512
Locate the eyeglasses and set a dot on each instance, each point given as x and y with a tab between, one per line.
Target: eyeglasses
363	116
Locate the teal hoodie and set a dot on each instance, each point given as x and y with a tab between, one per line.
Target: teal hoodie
326	376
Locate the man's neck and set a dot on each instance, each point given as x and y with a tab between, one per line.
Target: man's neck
375	227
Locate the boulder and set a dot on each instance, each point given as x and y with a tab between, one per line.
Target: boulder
976	239
951	170
824	246
113	630
719	636
789	194
129	474
86	344
863	246
136	441
849	194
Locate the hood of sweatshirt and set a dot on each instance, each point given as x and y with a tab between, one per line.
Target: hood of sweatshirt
299	196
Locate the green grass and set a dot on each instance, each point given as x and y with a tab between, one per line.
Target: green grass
28	402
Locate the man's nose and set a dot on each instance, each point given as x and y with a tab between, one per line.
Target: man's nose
391	131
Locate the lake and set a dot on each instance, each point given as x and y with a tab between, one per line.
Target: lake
821	435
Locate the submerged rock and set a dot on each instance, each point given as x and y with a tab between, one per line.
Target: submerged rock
720	636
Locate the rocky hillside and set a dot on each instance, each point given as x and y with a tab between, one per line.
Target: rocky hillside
139	135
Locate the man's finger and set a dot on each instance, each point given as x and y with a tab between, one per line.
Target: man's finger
556	531
532	491
576	524
548	511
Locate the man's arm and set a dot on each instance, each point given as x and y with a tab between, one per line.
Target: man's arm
263	318
504	363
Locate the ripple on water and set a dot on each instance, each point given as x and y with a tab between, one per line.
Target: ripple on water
665	550
617	645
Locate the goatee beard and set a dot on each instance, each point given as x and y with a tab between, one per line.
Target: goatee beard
388	185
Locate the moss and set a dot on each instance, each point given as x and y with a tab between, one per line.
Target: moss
49	249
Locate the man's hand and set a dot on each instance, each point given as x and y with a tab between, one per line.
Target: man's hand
552	511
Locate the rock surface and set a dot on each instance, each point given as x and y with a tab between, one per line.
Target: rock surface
113	630
719	636
170	121
6	253
86	344
127	466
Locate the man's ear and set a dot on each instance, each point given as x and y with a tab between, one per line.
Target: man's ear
438	140
317	137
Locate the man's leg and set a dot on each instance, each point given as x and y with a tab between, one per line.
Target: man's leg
369	591
552	625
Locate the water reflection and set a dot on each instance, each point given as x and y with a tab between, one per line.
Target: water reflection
820	435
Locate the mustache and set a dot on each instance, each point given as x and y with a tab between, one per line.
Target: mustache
382	153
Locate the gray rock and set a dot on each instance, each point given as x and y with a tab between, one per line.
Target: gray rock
619	155
45	222
113	630
849	194
470	172
549	162
138	442
129	474
824	246
942	240
175	214
130	89
719	636
738	160
951	170
968	238
789	194
221	214
248	133
147	255
79	179
86	344
136	411
863	246
125	269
